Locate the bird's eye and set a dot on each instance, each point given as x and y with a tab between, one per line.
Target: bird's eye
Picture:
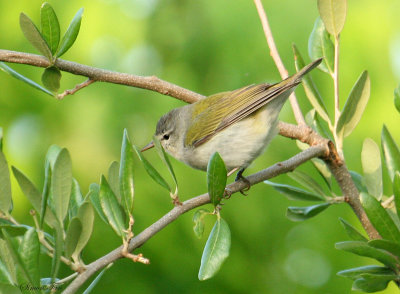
166	137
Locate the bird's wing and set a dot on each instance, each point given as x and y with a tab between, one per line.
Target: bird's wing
217	112
224	109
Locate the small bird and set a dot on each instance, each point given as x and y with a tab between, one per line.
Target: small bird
237	124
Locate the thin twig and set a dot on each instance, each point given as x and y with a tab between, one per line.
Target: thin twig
278	61
76	89
140	239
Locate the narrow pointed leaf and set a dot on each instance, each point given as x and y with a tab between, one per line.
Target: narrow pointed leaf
86	216
294	193
22	273
33	195
113	179
198	219
111	208
216	178
33	35
50	26
73	234
163	155
94	191
355	105
5	277
309	87
323	170
314	121
333	13
5	186
372	283
363	249
1	133
352	232
8	261
354	273
51	155
387	245
58	248
22	78
71	34
76	199
29	250
216	250
97	279
151	171
391	152
126	183
302	213
372	167
379	218
51	78
396	192
61	184
320	45
12	229
45	194
397	98
308	182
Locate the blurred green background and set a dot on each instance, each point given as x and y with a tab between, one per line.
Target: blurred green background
206	46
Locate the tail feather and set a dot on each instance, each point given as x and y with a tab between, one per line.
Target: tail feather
299	75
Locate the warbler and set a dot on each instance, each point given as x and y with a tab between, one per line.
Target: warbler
237	124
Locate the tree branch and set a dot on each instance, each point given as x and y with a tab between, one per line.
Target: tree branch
96	74
173	214
278	61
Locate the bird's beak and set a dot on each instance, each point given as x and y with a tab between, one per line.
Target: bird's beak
148	146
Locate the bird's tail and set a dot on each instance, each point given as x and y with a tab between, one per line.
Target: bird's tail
296	78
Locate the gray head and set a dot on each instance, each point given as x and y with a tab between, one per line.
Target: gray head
169	131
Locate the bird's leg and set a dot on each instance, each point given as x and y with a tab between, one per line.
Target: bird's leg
240	177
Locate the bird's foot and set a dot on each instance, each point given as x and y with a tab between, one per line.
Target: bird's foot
240	177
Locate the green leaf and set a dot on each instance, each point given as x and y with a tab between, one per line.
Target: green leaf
216	250
5	186
58	246
86	216
372	283
323	171
97	279
302	213
22	274
111	208
61	184
163	155
73	234
363	249
198	219
12	229
355	273
151	171
50	26
391	152
113	179
372	167
5	277
397	98
396	192
294	193
33	195
33	35
314	121
387	245
379	218
46	193
358	181
70	35
29	250
320	45
51	78
352	232
126	183
333	13
75	200
308	182
51	155
355	105
93	195
22	78
8	261
309	87
216	178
